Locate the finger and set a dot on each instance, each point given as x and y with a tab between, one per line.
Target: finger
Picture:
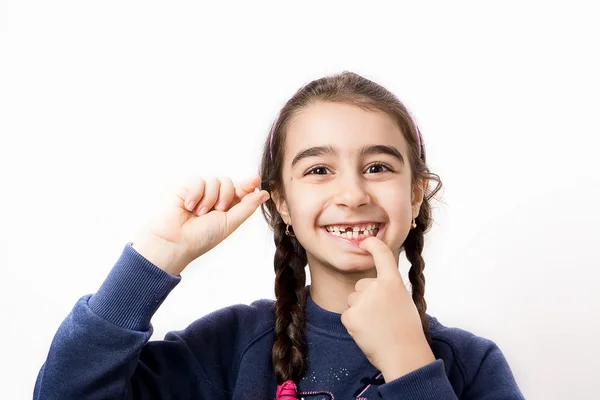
362	284
211	193
384	259
226	193
246	187
353	298
244	209
349	319
194	190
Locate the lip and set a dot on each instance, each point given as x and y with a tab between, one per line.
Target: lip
353	243
346	223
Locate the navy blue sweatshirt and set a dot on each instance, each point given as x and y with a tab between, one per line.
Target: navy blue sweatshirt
102	351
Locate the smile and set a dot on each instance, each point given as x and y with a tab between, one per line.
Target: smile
354	235
353	232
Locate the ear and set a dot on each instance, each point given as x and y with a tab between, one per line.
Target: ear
282	207
418	194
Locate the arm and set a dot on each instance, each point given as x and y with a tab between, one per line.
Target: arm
492	378
101	350
426	383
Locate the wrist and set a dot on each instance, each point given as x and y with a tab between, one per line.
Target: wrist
404	363
163	254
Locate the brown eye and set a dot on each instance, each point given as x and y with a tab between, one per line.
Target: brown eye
317	168
378	165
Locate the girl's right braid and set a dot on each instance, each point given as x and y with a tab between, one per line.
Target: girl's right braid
289	347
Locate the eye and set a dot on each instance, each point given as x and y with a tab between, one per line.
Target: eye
317	168
323	168
379	165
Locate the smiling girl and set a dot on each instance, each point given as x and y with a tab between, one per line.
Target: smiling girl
345	189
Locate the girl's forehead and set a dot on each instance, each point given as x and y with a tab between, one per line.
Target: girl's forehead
345	127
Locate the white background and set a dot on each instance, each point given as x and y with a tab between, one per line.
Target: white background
104	104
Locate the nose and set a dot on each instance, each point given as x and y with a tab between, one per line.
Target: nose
351	191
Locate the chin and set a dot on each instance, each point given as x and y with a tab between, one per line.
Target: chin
352	265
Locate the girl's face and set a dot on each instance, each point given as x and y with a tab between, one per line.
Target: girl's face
346	167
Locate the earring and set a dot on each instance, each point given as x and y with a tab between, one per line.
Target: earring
414	224
287	232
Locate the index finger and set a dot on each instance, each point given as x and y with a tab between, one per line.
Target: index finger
385	262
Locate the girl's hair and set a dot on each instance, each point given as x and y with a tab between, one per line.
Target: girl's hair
289	348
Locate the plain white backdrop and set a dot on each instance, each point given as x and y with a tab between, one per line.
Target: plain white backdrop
105	104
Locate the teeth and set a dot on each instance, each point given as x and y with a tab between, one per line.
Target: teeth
356	231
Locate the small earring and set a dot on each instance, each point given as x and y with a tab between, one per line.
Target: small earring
287	231
414	224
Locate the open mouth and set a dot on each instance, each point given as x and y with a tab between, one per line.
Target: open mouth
354	234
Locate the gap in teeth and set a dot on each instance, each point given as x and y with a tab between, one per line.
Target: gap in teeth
354	232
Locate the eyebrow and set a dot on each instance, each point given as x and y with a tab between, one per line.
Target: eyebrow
332	151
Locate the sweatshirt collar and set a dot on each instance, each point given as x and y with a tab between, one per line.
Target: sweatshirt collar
324	320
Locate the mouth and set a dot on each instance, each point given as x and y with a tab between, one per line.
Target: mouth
353	235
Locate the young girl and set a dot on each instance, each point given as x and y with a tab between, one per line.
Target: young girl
345	169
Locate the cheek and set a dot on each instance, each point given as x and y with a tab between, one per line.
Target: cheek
303	205
399	212
396	199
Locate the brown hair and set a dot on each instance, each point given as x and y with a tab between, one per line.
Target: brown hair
289	348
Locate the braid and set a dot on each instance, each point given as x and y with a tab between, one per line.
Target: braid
289	347
413	246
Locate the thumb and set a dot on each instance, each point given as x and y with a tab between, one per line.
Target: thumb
244	209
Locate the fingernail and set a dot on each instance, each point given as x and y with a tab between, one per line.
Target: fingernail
221	206
202	211
189	206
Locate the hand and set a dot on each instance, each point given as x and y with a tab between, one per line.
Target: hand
383	320
197	217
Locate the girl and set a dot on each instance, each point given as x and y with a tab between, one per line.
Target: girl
345	170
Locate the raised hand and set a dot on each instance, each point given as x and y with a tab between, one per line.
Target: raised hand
196	218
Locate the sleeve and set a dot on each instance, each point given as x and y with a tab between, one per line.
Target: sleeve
426	383
491	379
102	349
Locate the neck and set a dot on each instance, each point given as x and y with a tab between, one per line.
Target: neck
330	288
